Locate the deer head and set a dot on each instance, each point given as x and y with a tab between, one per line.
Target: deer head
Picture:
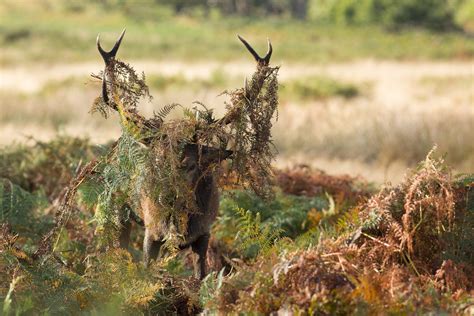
197	160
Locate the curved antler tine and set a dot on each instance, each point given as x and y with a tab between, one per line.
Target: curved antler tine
102	52
114	50
269	53
250	49
260	60
107	56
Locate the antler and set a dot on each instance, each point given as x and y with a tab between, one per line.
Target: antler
128	114
108	57
263	61
258	80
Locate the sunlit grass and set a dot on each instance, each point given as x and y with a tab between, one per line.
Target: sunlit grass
31	35
371	134
318	87
311	121
216	81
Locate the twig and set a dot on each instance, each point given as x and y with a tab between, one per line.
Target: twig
375	239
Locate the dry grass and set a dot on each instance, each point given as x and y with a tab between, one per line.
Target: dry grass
371	134
390	126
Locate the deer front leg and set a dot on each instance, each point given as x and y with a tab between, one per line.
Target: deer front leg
151	248
128	215
200	248
125	230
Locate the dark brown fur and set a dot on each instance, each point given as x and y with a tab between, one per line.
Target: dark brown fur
197	163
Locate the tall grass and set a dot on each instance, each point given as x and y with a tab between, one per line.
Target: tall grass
311	124
373	134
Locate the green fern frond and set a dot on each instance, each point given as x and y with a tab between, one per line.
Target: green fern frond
118	183
372	221
17	205
89	191
165	111
348	220
253	236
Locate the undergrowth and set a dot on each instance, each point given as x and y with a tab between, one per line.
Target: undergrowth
402	251
405	249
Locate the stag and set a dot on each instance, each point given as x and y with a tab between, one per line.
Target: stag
196	165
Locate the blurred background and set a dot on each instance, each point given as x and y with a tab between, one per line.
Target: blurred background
367	86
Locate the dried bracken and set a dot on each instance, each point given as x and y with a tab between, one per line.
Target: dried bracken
407	243
453	277
412	220
302	180
357	264
307	278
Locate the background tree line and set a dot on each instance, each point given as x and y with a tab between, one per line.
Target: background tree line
438	15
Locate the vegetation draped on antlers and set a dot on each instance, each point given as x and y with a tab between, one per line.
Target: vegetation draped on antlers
147	155
245	127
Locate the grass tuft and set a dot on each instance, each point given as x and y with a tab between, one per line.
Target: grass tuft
318	88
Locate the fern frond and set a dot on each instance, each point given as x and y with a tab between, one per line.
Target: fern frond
101	107
17	205
348	220
253	236
164	111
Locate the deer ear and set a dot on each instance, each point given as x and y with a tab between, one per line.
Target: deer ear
212	155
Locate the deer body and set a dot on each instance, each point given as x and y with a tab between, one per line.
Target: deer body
198	230
197	167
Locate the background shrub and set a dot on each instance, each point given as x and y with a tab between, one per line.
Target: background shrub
432	14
